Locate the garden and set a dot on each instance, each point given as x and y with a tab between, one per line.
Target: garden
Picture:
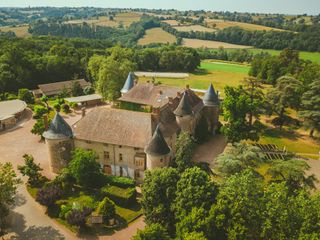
82	198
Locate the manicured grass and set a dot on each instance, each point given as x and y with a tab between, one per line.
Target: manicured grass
292	141
156	35
220	74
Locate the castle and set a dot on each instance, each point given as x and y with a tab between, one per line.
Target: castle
128	142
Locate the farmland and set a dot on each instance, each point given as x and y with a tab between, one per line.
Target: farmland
221	24
124	19
219	74
156	35
20	31
196	43
194	28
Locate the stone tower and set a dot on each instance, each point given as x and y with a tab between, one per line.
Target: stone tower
212	108
184	115
59	140
128	84
158	152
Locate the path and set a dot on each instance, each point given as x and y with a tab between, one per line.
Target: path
28	218
208	151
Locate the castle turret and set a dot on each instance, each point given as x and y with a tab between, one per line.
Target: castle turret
59	140
212	108
184	114
128	84
158	152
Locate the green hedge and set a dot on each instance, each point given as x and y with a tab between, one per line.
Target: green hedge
121	182
121	196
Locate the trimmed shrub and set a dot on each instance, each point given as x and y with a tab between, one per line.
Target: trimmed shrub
57	107
122	196
121	182
25	95
39	111
88	90
107	209
65	108
78	217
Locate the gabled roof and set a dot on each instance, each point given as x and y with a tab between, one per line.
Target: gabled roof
128	84
184	108
150	94
58	129
157	146
55	88
211	97
115	126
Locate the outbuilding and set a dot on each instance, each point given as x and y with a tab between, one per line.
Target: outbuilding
10	113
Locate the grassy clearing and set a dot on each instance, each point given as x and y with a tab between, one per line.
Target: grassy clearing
197	43
221	24
171	22
195	28
157	35
312	56
20	31
220	74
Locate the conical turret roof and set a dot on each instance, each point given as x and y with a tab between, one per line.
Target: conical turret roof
129	83
158	145
211	97
184	108
58	129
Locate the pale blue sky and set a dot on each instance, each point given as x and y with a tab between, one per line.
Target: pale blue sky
262	6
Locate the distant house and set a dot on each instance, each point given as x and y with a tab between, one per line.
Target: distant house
52	89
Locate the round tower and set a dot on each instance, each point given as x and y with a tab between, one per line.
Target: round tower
59	140
184	115
212	108
128	84
158	152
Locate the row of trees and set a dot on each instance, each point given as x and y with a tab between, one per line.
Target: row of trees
305	41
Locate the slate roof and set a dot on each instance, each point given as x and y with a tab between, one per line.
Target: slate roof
211	97
189	104
115	126
157	146
150	94
55	88
58	129
128	84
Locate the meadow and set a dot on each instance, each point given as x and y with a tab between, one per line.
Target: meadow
156	35
20	31
196	43
221	24
194	28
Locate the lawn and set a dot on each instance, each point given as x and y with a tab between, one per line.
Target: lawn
220	74
156	35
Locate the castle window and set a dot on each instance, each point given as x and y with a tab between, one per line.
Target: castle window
106	155
88	142
120	157
120	146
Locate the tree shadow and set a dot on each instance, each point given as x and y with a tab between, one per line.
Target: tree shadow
21	231
200	72
19	200
283	133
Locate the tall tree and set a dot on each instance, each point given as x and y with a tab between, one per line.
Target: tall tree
286	93
158	192
184	151
310	107
8	188
152	232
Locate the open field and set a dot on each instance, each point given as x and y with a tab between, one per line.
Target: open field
220	74
312	56
156	35
171	22
221	24
122	18
20	31
195	28
196	43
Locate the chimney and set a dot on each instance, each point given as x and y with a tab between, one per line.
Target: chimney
170	100
45	122
83	111
156	115
187	86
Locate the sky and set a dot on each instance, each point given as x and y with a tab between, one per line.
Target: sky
259	6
